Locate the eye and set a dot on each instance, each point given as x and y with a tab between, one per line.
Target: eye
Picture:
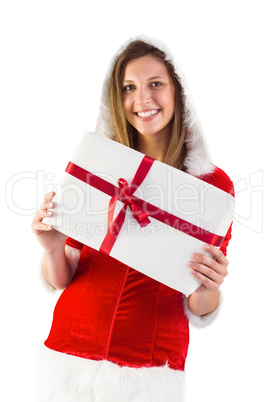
128	88
156	84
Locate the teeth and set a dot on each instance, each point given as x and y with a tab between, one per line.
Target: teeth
147	114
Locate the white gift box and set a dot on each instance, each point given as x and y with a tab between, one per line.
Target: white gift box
184	212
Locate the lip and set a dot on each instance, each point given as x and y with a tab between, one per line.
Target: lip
150	116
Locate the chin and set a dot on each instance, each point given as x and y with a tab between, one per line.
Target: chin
151	132
147	133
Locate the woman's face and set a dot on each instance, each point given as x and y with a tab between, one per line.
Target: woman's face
148	96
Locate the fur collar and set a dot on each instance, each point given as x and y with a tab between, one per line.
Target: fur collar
198	161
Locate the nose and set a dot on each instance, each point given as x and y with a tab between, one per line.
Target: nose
143	96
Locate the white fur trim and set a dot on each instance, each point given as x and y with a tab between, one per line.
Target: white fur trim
198	161
201	321
64	378
73	255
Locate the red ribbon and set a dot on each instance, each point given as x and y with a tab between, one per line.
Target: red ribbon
141	210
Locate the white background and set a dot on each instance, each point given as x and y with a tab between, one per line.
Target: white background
54	55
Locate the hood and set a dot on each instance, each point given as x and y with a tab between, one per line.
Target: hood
197	161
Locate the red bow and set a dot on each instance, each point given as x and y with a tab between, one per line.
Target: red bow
125	196
138	213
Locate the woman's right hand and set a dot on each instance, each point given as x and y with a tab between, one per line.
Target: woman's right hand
48	237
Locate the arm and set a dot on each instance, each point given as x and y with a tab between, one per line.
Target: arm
56	268
210	271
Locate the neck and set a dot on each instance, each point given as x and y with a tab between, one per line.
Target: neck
154	145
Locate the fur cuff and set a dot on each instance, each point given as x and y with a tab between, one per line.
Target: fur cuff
201	321
62	377
73	255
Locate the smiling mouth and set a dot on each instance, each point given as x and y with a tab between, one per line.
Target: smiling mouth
148	113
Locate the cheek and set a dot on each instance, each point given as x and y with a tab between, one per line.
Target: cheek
127	104
170	102
165	99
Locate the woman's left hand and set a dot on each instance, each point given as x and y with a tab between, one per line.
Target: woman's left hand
210	271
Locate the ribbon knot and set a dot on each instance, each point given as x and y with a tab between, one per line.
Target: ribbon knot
125	194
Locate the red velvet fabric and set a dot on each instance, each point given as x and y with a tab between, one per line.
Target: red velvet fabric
111	311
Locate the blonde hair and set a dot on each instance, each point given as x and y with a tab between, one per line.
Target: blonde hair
124	132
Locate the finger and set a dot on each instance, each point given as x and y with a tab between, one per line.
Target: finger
207	282
205	271
45	206
207	261
216	253
41	215
39	226
48	201
49	196
207	277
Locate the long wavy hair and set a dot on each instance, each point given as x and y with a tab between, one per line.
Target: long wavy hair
124	132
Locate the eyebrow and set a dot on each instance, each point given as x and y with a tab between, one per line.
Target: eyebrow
149	79
157	77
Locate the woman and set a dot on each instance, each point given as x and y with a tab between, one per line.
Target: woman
118	335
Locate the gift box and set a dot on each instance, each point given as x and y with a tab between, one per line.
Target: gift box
140	211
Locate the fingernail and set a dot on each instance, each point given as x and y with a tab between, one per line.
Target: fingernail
206	246
191	263
50	213
194	256
50	205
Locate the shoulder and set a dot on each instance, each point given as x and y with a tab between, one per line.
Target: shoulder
220	179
